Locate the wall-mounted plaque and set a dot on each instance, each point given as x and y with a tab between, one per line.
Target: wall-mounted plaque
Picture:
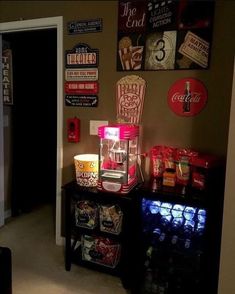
82	56
187	97
81	74
82	88
85	26
81	100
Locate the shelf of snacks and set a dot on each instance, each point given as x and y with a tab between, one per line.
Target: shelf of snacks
99	229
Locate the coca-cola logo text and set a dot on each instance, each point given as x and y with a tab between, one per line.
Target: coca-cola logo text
195	97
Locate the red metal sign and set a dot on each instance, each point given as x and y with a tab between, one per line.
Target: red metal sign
187	97
81	87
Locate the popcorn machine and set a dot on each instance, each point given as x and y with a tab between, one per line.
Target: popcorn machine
118	157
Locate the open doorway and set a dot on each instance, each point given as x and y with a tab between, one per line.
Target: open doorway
34	25
33	118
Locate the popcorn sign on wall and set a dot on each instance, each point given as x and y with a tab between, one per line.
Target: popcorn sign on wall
187	97
130	92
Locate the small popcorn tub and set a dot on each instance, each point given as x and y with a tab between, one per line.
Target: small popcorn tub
86	167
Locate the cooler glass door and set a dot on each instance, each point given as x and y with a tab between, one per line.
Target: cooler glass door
174	247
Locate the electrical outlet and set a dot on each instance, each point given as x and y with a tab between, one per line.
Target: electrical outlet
94	124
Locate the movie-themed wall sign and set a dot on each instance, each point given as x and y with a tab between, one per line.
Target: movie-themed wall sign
81	100
164	34
187	97
82	56
81	75
81	87
85	26
130	93
7	90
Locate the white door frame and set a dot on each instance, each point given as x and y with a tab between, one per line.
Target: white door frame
227	255
38	24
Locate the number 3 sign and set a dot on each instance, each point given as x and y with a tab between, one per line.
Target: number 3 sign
160	51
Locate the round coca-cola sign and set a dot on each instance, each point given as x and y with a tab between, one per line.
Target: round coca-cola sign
187	97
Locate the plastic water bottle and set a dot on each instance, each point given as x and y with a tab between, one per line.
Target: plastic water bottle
155	207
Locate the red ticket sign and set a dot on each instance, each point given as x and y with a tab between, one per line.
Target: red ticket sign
187	97
81	88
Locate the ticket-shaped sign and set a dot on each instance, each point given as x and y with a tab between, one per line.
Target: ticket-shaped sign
81	100
81	87
196	49
81	74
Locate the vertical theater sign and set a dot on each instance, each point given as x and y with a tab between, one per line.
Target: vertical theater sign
7	77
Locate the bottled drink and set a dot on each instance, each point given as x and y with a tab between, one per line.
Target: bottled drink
188	231
177	213
165	209
187	97
189	213
201	216
155	207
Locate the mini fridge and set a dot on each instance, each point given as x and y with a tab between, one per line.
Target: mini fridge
180	241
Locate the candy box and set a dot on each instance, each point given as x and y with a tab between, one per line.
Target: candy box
100	250
110	219
86	214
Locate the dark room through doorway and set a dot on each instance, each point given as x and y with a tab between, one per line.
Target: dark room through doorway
34	119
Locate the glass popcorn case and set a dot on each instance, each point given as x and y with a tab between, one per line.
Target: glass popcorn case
118	157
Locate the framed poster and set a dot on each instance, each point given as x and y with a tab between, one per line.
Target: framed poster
164	34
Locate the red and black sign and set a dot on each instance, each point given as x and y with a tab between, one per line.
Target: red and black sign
82	88
187	97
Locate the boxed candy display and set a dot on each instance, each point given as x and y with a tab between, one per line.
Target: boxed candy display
110	219
100	250
86	214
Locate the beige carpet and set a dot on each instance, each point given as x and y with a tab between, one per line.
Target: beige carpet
38	264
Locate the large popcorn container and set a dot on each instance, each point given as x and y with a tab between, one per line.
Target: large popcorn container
86	167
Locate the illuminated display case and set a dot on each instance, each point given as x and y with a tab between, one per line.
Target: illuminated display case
118	157
175	247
